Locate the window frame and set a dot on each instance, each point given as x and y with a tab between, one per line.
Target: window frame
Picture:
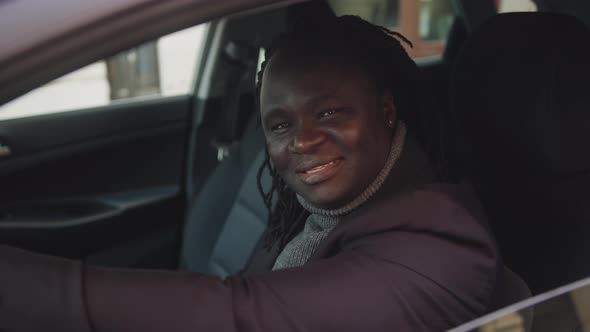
99	80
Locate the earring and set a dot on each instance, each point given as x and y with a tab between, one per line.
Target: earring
390	123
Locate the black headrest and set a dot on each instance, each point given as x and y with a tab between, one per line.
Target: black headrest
520	93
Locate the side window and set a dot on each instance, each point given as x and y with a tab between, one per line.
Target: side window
566	308
506	6
161	68
424	22
261	53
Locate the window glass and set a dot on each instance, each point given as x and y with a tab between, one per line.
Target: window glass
164	67
564	309
261	58
381	12
436	17
424	22
505	6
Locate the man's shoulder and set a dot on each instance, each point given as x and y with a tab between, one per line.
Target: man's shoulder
442	207
436	232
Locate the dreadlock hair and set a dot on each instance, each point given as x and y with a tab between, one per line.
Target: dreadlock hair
352	41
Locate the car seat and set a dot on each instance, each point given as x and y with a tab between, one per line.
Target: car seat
227	218
521	103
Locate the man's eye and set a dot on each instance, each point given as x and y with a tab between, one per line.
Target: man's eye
280	126
327	113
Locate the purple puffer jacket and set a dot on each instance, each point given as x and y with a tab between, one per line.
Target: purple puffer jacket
417	257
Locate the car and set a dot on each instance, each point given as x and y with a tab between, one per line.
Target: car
128	134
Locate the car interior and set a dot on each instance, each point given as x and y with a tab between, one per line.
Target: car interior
526	129
171	183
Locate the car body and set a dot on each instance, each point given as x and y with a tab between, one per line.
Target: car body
113	183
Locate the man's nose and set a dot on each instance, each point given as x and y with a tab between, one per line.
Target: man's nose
306	139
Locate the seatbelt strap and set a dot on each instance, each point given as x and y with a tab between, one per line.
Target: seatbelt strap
239	57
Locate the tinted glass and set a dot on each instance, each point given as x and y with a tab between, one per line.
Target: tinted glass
160	68
424	22
566	309
382	12
436	18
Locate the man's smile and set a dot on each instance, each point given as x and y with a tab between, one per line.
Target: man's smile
317	172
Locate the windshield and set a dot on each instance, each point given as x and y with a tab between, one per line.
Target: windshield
564	309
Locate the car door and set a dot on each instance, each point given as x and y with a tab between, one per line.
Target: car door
93	161
98	162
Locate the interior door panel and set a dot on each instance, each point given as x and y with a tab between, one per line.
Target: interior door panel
80	183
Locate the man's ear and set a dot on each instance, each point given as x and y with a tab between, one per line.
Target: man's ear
389	109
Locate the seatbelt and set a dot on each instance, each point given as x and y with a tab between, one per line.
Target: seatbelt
239	58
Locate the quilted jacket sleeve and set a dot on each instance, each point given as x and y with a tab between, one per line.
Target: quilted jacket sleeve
407	276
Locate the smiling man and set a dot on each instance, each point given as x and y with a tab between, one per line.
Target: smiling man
328	126
338	105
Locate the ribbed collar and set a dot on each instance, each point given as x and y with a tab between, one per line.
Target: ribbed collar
395	152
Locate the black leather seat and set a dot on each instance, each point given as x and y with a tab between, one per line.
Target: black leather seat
521	101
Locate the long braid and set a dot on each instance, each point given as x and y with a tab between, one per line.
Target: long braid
380	53
284	212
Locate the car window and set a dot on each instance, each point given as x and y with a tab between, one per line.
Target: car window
261	58
507	6
565	309
424	22
164	67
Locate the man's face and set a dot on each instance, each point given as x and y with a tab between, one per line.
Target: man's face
326	128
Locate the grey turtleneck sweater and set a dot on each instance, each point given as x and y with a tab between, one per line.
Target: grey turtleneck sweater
321	221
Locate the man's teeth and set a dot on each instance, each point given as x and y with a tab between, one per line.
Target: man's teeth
319	168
